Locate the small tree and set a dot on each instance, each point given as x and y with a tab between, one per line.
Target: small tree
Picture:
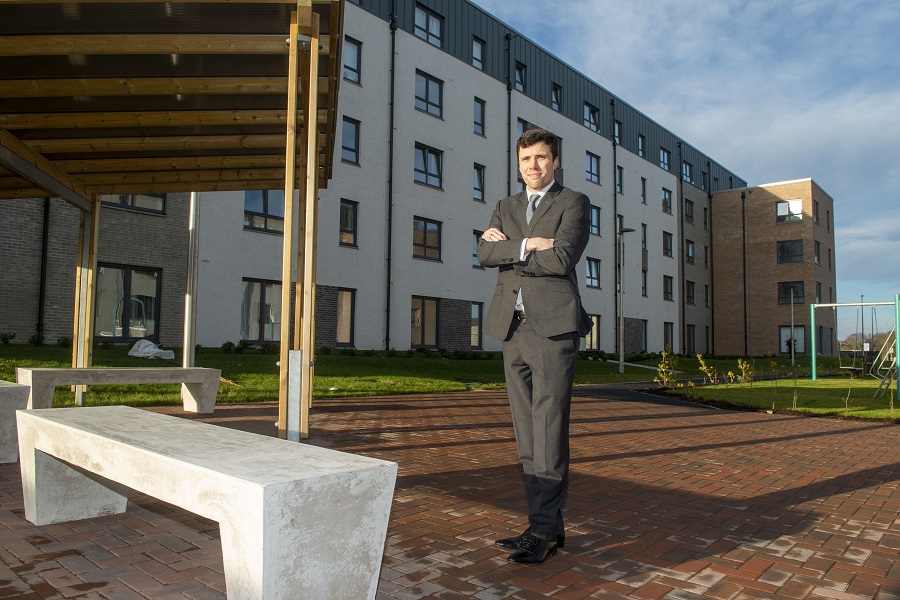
712	374
665	371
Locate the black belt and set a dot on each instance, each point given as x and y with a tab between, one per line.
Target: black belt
519	315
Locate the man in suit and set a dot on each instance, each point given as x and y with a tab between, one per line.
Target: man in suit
536	239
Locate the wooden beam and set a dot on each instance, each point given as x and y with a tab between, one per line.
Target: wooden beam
209	143
31	166
125	44
170	163
149	86
171	118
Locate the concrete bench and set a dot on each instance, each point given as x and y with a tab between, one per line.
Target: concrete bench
198	392
13	397
296	521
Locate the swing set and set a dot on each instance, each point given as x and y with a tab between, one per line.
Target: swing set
885	365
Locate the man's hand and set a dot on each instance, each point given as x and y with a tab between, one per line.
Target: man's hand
493	235
536	244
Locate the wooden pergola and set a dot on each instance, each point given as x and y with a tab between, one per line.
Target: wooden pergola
120	96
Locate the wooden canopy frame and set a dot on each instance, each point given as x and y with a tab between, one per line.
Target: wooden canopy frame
120	96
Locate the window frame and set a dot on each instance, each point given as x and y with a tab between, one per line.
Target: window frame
128	292
350	154
667	201
353	231
476	326
591	117
592	268
128	202
337	322
266	215
784	292
592	167
479	120
555	97
421	249
478	174
425	176
424	31
788	215
786	252
595	223
261	319
665	158
521	77
356	69
668	288
478	57
425	317
426	103
620	176
668	244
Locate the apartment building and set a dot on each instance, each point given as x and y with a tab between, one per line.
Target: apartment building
774	256
433	96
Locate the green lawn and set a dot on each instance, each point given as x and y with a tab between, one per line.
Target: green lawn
253	377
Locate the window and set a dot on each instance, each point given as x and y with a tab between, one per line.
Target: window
591	117
620	175
592	167
788	290
595	220
828	221
476	236
423	326
429	92
264	210
152	203
667	244
790	251
642	145
829	259
350	141
664	156
426	238
352	59
690	339
667	201
478	183
796	339
669	335
689	251
689	295
704	180
428	166
689	211
668	287
261	311
706	256
644	283
479	116
475	327
644	237
592	272
592	339
127	303
478	53
348	222
705	218
818	292
428	25
346	309
643	190
788	210
556	97
617	132
815	211
520	77
687	171
715	184
706	296
817	252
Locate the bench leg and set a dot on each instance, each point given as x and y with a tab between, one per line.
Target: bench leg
13	397
55	491
200	397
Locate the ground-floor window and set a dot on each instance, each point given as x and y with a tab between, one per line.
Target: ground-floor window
423	322
690	339
669	335
592	339
477	311
797	340
346	305
127	305
261	311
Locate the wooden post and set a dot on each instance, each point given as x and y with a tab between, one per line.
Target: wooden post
289	227
307	329
85	284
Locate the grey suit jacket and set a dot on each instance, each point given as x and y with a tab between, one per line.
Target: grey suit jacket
547	278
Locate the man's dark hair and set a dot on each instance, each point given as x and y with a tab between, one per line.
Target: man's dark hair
536	136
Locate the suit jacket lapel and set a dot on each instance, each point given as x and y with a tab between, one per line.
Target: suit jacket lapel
543	206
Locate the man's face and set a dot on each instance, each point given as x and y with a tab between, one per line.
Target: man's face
536	164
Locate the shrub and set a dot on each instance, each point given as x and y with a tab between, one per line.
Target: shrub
37	339
228	347
64	341
665	371
6	337
325	350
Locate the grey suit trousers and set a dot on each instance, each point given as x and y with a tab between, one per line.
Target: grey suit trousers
539	374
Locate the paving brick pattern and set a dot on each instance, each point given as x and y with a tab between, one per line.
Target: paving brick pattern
667	500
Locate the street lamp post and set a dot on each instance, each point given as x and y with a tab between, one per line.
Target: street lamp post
621	242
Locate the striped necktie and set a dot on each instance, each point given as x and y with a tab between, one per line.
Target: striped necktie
532	206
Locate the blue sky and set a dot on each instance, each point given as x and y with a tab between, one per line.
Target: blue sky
772	90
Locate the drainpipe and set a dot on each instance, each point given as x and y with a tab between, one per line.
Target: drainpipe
712	290
42	290
509	123
744	274
682	300
390	183
616	227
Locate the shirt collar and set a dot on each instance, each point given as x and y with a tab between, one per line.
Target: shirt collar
529	194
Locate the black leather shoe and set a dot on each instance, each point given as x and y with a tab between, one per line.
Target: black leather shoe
534	550
514	543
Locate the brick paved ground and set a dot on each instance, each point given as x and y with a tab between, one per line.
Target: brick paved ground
667	500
